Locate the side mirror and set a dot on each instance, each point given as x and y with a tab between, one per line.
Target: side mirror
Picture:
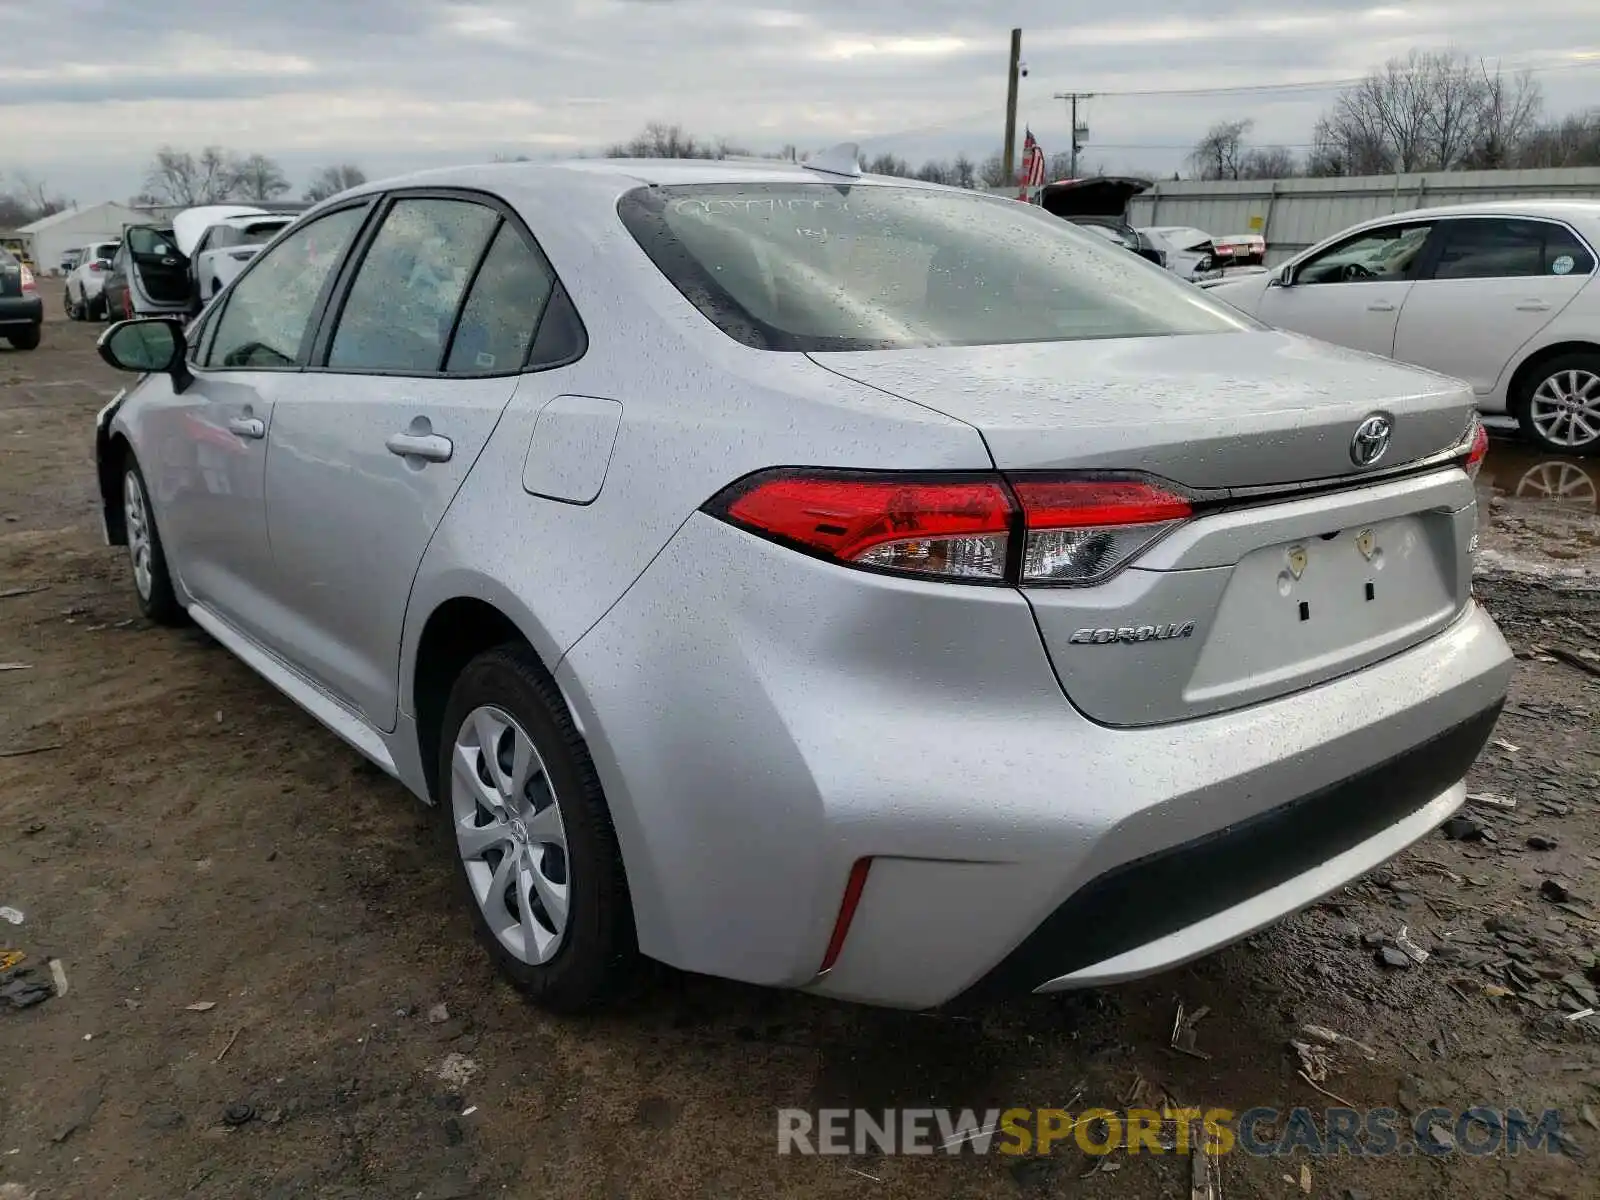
1282	277
148	344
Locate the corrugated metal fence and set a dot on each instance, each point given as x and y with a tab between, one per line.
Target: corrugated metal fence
1296	213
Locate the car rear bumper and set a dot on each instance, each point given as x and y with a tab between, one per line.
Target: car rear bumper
21	310
762	721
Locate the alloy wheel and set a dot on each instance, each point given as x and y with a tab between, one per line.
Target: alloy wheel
137	517
1565	408
510	834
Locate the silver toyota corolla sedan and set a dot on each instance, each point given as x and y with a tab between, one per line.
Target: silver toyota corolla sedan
824	581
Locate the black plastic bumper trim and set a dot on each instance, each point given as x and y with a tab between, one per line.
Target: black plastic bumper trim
1153	896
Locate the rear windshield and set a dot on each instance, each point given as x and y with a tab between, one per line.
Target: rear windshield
7	259
105	252
265	231
819	267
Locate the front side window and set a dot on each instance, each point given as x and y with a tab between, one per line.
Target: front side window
105	252
402	305
270	306
819	267
1495	248
1389	254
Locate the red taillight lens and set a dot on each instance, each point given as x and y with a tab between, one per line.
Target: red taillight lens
1480	448
28	284
1082	530
960	528
96	268
956	528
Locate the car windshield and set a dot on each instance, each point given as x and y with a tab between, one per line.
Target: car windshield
819	267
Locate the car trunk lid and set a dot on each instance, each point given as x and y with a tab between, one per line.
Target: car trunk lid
1297	565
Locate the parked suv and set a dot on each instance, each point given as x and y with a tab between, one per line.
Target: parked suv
86	282
21	309
825	581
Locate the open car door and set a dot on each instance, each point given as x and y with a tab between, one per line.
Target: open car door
160	270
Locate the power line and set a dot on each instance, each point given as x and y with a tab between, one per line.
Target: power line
1315	85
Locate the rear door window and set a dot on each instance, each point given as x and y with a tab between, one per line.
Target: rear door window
502	312
402	305
1501	248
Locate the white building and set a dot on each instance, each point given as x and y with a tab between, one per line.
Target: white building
49	238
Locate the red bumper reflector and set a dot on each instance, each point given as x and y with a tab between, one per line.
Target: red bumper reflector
847	911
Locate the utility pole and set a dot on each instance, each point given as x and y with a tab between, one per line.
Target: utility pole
1009	158
1073	98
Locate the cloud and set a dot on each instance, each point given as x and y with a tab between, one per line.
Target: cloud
422	81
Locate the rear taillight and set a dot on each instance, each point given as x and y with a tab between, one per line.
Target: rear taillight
957	527
960	528
1477	449
96	268
28	284
1082	530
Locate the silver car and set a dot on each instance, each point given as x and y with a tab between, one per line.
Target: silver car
824	581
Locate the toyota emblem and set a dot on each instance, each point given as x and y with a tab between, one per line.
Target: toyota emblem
1371	440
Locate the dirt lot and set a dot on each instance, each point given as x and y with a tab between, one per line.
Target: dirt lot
177	836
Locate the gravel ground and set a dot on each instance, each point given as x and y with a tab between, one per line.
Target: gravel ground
255	929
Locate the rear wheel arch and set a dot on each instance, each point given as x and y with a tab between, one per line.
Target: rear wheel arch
1527	377
456	631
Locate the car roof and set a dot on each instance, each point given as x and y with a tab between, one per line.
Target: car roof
1560	209
616	175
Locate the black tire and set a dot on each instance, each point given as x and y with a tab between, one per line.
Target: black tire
24	339
74	313
598	955
1559	369
158	601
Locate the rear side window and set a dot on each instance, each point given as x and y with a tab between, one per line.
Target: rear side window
1495	248
402	305
818	266
503	309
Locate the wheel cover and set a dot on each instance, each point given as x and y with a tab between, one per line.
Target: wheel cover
1565	408
137	518
510	834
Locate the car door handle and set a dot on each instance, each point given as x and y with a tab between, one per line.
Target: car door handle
430	447
248	427
1533	306
1380	306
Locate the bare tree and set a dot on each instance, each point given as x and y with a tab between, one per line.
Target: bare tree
1573	141
180	178
1220	154
1430	111
1268	162
992	172
963	172
259	178
888	164
27	199
331	180
1508	117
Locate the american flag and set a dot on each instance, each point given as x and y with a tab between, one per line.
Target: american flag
1032	176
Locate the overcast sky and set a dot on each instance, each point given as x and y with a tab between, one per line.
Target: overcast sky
89	88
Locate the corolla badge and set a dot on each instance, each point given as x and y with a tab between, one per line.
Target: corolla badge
1128	634
1371	440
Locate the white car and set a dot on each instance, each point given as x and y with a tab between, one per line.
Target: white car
86	282
1498	294
220	239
